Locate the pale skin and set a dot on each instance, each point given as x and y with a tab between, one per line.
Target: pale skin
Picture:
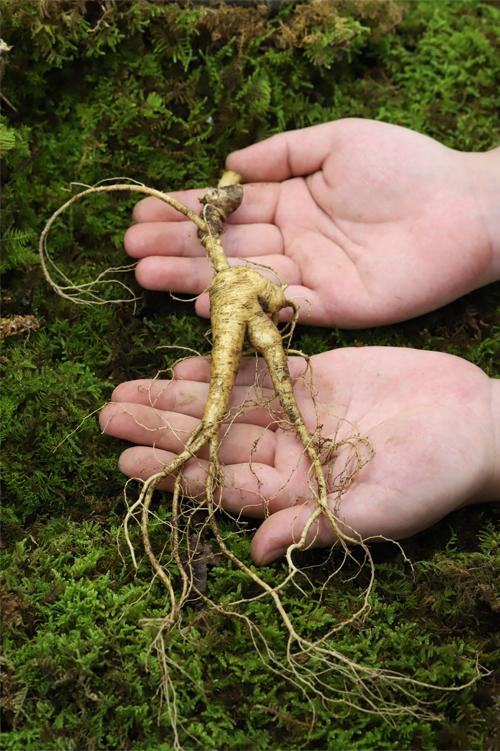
368	223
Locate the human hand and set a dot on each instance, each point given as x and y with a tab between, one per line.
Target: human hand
432	419
368	223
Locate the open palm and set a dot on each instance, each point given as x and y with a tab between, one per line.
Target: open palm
427	416
368	223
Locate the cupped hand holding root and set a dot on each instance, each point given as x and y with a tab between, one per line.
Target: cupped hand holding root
428	417
368	223
295	448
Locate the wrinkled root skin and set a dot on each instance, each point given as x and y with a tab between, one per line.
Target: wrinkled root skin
244	306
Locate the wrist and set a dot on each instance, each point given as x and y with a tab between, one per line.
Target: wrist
483	173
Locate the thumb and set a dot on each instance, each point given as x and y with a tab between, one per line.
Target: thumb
283	528
367	510
290	154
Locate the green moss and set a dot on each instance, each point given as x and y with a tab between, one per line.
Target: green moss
72	640
161	93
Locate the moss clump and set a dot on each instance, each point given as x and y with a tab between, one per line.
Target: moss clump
161	92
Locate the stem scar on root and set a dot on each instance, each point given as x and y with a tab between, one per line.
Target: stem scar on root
244	309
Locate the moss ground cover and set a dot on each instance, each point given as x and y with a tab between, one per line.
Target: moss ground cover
161	92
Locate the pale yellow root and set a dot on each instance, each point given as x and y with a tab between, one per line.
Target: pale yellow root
245	308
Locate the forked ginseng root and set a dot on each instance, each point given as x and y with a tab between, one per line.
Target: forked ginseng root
244	308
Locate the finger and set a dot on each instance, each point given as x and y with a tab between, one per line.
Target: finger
253	370
202	305
258	205
368	511
146	426
181	239
189	397
311	308
195	274
244	488
297	152
191	275
154	210
283	528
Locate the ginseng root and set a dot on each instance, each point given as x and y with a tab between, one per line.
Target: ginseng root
245	307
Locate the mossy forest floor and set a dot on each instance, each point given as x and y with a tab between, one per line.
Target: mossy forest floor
161	92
